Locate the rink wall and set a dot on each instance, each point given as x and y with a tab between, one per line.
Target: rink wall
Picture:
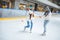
16	13
12	12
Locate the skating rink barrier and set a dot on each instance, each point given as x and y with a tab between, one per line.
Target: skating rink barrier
16	13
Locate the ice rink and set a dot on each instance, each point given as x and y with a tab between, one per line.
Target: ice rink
13	29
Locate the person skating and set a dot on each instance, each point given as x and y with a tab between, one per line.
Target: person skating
46	20
29	22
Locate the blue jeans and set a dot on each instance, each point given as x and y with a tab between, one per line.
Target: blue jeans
45	23
29	24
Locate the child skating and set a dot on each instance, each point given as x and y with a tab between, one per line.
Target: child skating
29	22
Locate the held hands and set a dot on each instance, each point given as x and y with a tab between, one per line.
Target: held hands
40	16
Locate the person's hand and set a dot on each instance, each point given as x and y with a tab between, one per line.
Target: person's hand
40	16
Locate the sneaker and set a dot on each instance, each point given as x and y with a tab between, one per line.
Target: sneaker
44	34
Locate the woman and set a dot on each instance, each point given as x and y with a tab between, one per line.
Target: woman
46	20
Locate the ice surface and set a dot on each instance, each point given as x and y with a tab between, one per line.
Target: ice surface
13	30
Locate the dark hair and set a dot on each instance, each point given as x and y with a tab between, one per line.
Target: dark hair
46	13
